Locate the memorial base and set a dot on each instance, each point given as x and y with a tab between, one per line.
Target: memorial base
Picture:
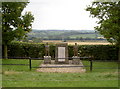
47	59
61	61
75	60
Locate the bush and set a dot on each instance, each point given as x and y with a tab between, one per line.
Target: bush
99	52
18	49
36	50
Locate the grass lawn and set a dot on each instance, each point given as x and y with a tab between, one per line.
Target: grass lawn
21	76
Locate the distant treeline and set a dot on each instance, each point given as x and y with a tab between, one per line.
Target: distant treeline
63	33
82	35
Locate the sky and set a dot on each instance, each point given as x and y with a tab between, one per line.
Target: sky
61	15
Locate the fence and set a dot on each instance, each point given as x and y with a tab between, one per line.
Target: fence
90	59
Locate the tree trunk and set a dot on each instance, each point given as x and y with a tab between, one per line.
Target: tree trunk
5	52
119	54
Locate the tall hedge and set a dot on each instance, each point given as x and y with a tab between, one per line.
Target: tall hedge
35	50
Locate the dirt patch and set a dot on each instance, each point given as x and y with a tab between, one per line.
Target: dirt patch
11	72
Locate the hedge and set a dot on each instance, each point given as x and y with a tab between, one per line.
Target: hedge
36	50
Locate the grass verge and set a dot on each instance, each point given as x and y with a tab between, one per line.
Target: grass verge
21	76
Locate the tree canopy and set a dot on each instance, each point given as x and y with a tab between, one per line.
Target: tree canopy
14	24
108	14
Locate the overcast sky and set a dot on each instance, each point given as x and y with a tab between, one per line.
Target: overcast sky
61	14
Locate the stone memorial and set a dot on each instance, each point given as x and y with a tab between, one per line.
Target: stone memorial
61	53
47	57
61	63
75	58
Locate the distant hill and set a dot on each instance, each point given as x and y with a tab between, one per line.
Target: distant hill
63	34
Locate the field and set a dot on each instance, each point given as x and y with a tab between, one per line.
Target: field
63	33
40	35
21	76
78	42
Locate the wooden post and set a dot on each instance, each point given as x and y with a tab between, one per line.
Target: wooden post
30	63
91	65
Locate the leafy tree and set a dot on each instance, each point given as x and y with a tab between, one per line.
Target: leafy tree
108	14
14	24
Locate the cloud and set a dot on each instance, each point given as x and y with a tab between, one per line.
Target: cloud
61	14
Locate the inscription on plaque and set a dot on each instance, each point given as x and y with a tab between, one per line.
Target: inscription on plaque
61	54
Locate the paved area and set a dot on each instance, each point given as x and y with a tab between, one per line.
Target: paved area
63	68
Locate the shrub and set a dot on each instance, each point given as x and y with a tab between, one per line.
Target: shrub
18	49
36	50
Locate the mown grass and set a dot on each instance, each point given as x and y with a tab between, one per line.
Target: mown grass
102	66
21	76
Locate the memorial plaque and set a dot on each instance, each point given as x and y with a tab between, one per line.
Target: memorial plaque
61	54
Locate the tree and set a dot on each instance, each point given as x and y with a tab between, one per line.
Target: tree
14	24
108	14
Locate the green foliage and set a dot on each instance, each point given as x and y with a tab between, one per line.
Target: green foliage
35	50
99	52
17	49
108	14
14	24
